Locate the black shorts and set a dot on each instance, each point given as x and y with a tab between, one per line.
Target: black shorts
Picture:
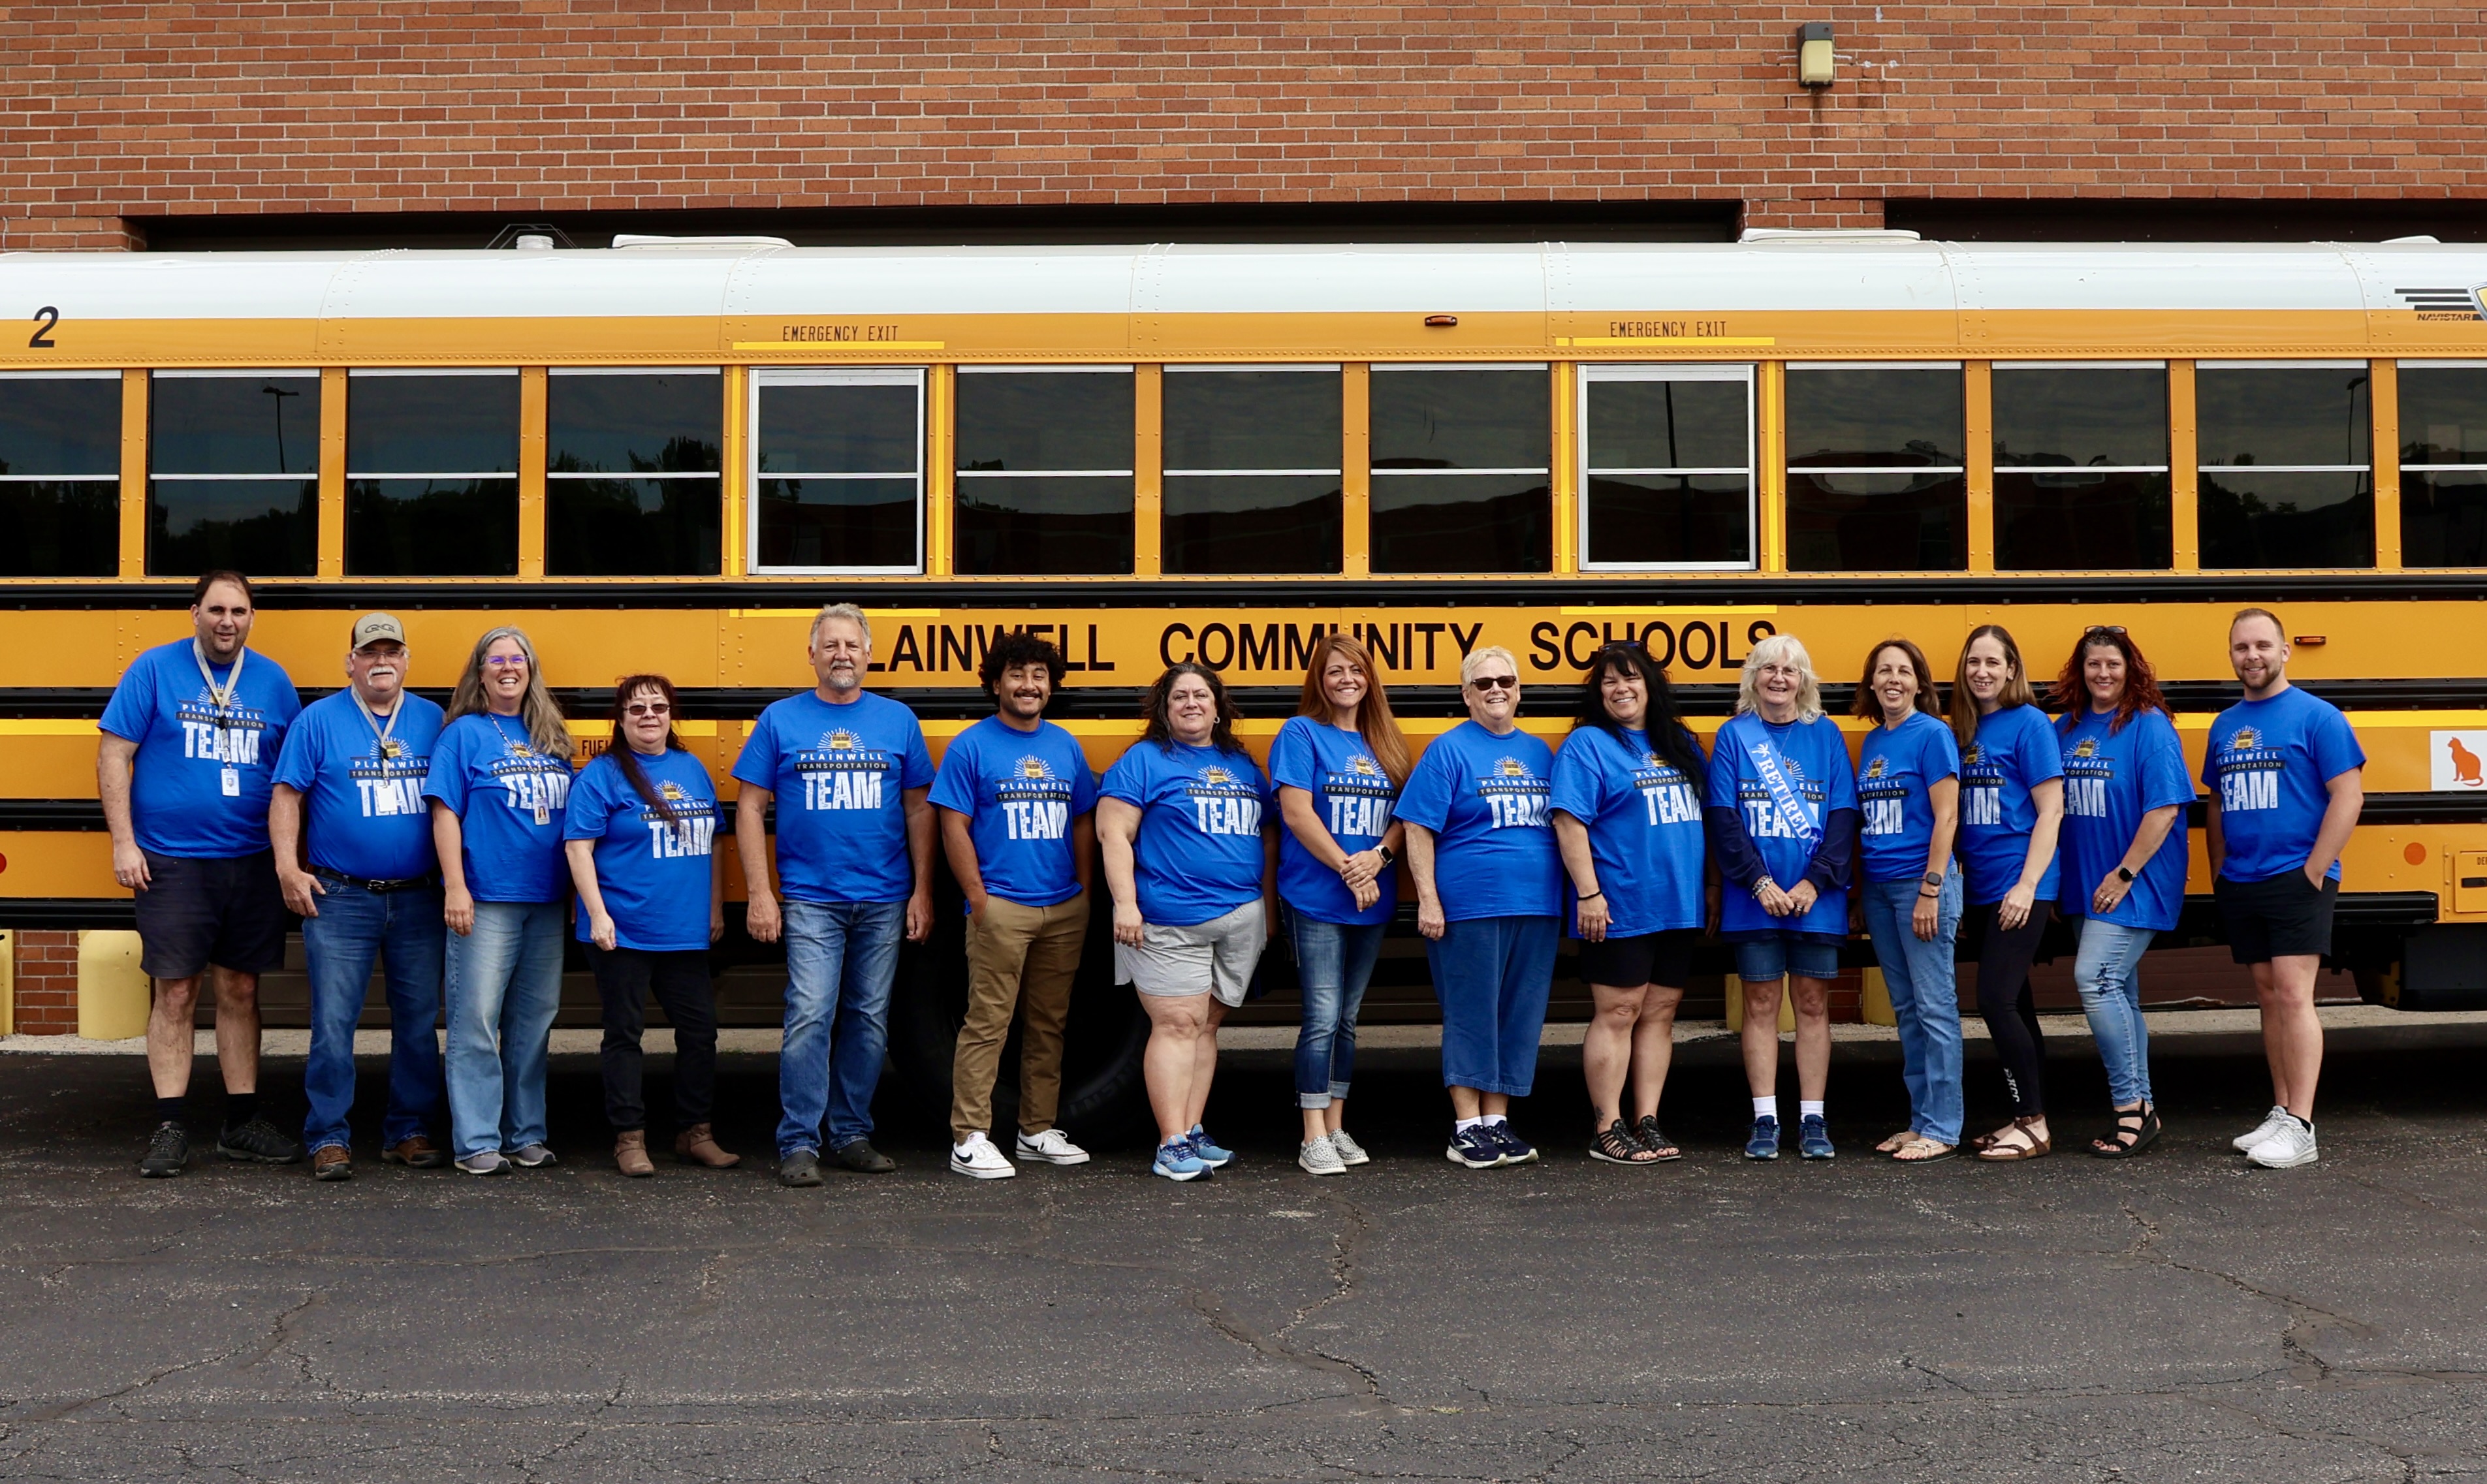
1628	962
2276	918
197	912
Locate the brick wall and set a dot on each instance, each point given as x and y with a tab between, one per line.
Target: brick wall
47	982
139	109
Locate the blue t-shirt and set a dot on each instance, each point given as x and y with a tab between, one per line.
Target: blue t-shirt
509	800
2267	765
1021	791
178	804
1814	760
2110	781
1198	855
2014	750
363	803
1487	799
1644	822
653	871
1895	814
1353	798
839	774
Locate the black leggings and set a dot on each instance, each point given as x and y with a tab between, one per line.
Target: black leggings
625	977
2004	998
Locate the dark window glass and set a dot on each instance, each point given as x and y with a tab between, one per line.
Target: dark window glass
2265	517
2443	421
2443	519
629	474
2283	466
634	423
2049	415
2316	415
1670	425
1428	423
2082	519
233	424
1845	425
837	522
2081	461
633	527
431	425
1669	471
1658	520
430	462
843	429
2444	414
431	527
1044	473
53	523
206	436
840	473
1225	510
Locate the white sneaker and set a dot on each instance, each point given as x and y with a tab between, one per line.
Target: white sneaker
1318	1156
1349	1152
2272	1122
1053	1146
978	1159
2292	1146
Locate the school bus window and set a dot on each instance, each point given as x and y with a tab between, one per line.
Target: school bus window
1667	467
431	461
2285	473
60	474
2444	464
630	472
838	471
1044	477
233	472
1253	469
1460	460
2081	467
1877	477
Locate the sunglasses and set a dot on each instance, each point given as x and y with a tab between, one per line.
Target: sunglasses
1496	683
2096	629
647	709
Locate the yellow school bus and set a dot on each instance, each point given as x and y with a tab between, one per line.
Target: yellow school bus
666	455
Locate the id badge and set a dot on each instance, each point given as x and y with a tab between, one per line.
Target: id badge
232	781
543	812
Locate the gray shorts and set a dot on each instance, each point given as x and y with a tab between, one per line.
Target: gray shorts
1215	957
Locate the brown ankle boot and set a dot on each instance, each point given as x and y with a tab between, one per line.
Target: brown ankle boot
697	1145
631	1153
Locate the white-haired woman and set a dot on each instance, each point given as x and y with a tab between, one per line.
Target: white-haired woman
499	787
1782	816
1489	902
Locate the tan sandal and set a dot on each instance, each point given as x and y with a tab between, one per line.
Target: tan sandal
1894	1144
1999	1152
1922	1149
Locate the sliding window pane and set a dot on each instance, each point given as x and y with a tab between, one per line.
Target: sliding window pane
2082	519
61	426
430	474
1845	419
1668	469
232	425
2444	517
2284	472
432	424
1252	471
1670	520
1024	421
217	446
1459	470
431	527
2080	469
2293	416
1277	419
837	522
1048	527
631	486
59	475
1253	523
658	422
2444	424
2288	518
633	527
839	470
1044	478
60	528
1877	522
1848	425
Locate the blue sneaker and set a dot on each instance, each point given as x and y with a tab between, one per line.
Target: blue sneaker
1179	1160
1212	1153
1515	1149
1765	1142
1476	1148
1813	1138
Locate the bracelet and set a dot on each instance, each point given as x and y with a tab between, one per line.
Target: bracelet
1591	896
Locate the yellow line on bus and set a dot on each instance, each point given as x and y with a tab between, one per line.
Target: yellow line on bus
1657	340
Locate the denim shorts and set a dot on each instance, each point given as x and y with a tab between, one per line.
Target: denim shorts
1776	956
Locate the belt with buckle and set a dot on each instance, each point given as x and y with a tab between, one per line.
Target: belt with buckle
409	883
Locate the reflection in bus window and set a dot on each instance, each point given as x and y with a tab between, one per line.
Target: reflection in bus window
219	446
60	474
432	463
1043	470
630	472
1460	460
2285	473
839	471
2444	464
1667	467
2081	468
1876	478
1251	469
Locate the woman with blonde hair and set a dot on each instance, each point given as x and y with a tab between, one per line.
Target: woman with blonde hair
1782	817
499	787
1338	764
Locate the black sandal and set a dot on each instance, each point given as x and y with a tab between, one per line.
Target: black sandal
1615	1145
2142	1125
1654	1139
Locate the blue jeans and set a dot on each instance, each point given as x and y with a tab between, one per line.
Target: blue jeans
1334	963
503	984
840	959
1493	975
1925	999
1765	958
403	930
2108	974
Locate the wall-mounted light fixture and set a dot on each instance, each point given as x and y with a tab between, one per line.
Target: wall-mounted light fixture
1815	64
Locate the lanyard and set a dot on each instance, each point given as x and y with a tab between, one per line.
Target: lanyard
221	698
388	747
494	718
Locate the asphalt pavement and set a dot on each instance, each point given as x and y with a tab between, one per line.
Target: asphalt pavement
2182	1316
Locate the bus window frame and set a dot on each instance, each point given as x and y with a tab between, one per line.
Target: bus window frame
2400	440
718	475
1131	472
1337	470
516	474
765	377
2374	461
2166	429
116	479
156	471
1374	472
1746	372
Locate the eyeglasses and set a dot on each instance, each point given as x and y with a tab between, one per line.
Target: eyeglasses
2095	630
647	709
506	661
1496	683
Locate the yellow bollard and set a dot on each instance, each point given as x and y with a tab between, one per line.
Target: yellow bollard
1878	1001
113	991
1736	1006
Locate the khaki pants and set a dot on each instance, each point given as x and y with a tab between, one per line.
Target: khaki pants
1017	956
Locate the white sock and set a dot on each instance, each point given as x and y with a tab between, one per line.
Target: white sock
1463	1125
1766	1108
1808	1107
1497	1120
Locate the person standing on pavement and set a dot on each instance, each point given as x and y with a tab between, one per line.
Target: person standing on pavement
2125	793
1489	904
184	769
852	780
499	788
1628	818
1183	820
641	836
1016	801
1338	765
1782	816
2286	781
1908	805
366	884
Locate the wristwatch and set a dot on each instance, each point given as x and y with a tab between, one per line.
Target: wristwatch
1387	858
1932	880
2123	875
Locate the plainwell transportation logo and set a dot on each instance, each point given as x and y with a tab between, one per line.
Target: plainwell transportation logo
1131	646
